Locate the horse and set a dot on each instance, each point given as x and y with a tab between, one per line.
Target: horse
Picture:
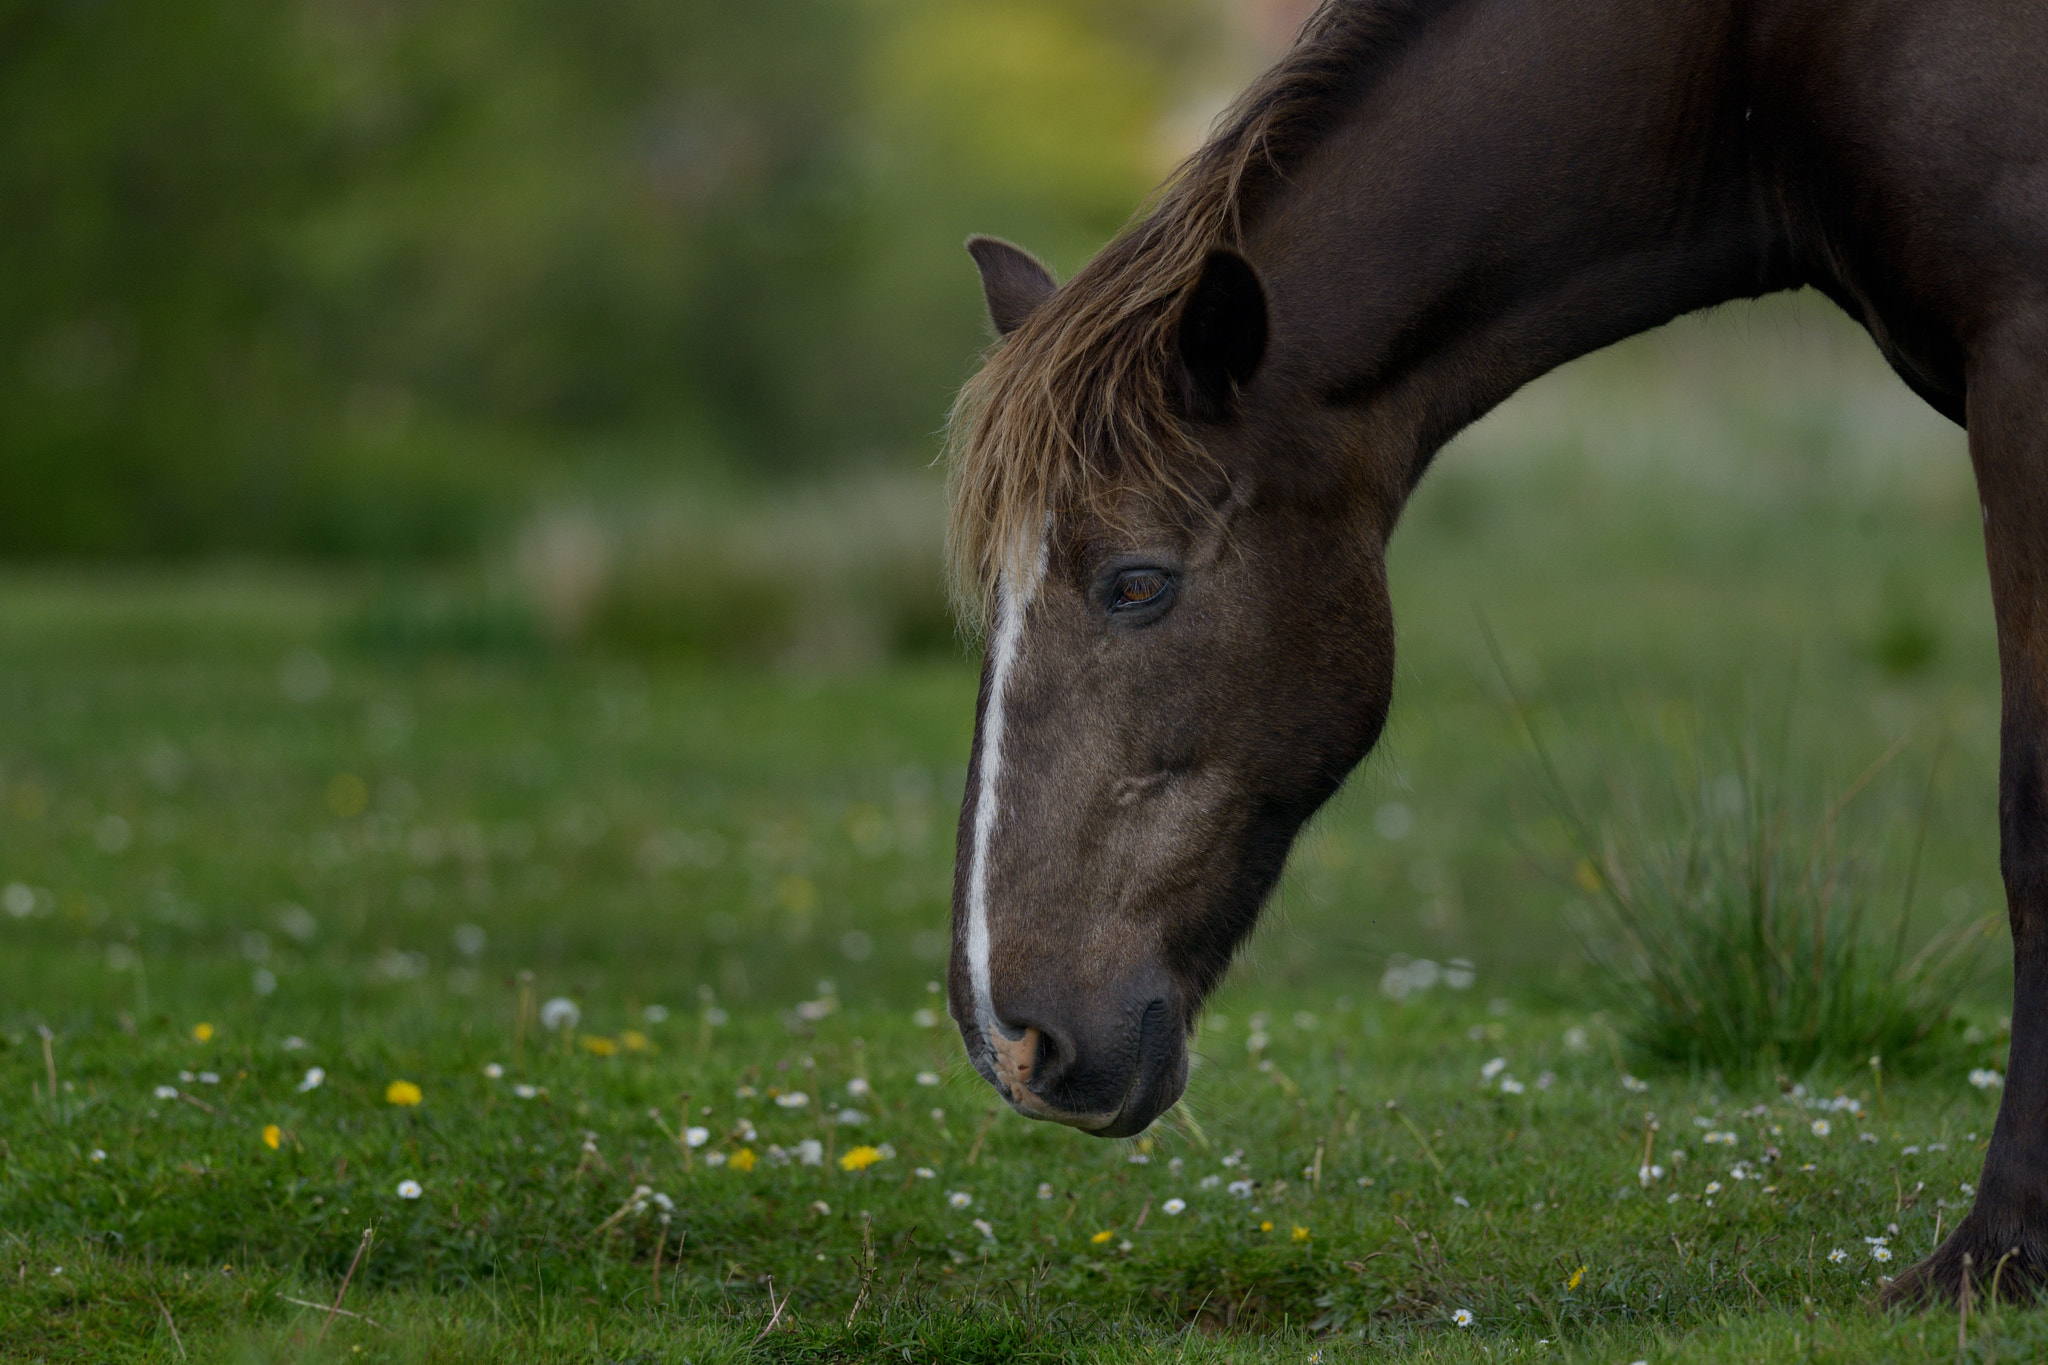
1174	477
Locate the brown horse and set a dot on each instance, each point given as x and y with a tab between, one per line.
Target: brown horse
1175	477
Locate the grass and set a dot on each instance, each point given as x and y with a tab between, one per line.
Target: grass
1738	929
222	803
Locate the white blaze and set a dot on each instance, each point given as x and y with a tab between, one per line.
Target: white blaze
1013	599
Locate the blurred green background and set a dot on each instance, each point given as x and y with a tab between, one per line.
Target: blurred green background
467	467
337	278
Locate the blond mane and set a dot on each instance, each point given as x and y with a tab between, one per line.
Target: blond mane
1077	410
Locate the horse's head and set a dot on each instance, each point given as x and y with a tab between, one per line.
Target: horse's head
1187	651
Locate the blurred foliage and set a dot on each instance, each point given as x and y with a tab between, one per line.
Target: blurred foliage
347	276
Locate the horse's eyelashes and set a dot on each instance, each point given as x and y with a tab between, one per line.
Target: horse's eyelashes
1138	588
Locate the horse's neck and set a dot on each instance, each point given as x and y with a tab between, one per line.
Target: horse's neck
1526	184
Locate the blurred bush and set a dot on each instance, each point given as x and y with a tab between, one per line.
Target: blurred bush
345	277
842	573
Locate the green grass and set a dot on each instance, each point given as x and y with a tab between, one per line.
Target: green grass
222	802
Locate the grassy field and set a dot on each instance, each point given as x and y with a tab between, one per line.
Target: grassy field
244	840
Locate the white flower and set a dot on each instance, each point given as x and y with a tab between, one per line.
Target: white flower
524	1091
167	1092
560	1013
926	1173
1649	1175
209	1078
811	1152
1867	1137
859	1088
492	1071
314	1078
1241	1188
743	1092
1713	1187
1719	1139
696	1137
850	1118
655	1014
985	1228
666	1204
1173	1208
1967	1188
409	1189
925	1018
1821	1128
1837	1256
96	1154
1634	1086
1140	1159
1045	1189
1463	1317
959	1199
1493	1068
927	1078
795	1099
1986	1080
1510	1086
714	1159
1210	1182
1880	1253
294	1044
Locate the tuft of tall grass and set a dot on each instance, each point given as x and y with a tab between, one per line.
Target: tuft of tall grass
1738	929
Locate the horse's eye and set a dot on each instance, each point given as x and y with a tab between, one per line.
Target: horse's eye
1137	588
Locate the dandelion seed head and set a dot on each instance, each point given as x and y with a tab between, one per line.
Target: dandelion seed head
560	1013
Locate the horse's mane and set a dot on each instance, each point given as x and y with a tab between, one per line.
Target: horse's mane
1077	409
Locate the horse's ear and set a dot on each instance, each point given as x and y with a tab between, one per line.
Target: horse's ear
1222	332
1013	280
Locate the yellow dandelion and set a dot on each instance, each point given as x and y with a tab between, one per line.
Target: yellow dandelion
860	1158
272	1135
202	1033
1577	1277
402	1092
633	1040
743	1159
603	1047
1266	1226
1103	1236
1300	1233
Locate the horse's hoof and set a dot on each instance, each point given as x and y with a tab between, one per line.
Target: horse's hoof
1999	1262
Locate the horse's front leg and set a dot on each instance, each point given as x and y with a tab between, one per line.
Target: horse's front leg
2008	421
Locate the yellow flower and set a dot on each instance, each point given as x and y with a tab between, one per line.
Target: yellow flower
1266	1226
402	1092
1577	1276
743	1159
633	1040
603	1047
860	1158
1300	1233
202	1033
272	1134
1103	1236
